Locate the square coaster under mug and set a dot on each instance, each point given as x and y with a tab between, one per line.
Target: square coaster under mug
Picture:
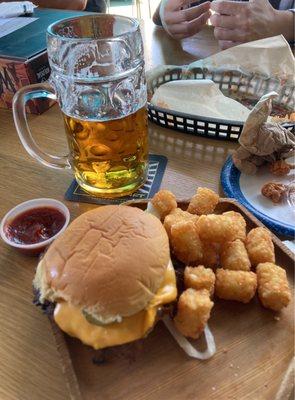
156	169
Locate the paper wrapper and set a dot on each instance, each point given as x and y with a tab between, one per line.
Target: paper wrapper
262	141
202	97
271	57
265	58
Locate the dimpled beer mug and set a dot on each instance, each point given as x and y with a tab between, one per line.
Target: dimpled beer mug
97	77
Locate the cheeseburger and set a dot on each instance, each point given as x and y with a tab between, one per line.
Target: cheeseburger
108	275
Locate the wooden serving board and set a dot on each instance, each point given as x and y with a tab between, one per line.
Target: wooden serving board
253	360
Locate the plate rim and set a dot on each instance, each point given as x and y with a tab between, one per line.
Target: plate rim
230	182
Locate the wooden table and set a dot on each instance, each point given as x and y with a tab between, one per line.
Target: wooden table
29	365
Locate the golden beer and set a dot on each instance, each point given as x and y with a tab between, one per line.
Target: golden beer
109	157
98	79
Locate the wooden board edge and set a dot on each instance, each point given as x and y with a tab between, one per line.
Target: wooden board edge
66	362
286	389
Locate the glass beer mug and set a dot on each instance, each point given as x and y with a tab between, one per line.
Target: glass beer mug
97	77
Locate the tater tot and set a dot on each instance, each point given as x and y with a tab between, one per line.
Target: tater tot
235	285
199	278
185	242
273	286
234	214
259	246
240	223
218	228
177	215
234	256
203	202
164	202
193	312
210	254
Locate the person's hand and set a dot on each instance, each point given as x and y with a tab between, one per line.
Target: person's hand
180	21
240	22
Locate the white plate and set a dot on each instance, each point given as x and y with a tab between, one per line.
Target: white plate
247	190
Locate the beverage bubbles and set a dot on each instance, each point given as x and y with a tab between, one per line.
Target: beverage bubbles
109	157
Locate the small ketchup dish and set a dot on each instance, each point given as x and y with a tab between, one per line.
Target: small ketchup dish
31	226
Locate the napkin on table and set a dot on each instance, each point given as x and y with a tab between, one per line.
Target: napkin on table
16	9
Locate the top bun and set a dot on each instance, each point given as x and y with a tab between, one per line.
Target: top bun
110	262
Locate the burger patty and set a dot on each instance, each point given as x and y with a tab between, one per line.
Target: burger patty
47	307
129	351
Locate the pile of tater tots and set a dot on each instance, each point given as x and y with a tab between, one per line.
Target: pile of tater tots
220	258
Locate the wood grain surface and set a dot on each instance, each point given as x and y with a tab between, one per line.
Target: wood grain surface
30	368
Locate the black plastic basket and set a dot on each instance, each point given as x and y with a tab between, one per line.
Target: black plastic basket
233	84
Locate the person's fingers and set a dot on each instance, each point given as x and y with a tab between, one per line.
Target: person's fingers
197	24
173	5
224	21
177	17
196	11
187	29
226	44
176	5
228	7
229	34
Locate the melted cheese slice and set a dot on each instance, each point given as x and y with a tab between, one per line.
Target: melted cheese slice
71	320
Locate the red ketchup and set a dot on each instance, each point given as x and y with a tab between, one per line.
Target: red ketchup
35	225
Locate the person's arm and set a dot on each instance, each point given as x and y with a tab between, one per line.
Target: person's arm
240	22
78	5
285	24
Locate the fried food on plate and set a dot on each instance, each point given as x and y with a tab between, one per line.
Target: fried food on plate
185	242
234	256
177	215
164	202
235	285
219	228
193	312
273	286
203	202
280	168
274	191
210	254
199	278
260	246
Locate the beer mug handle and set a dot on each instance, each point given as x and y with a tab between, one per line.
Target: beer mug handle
20	120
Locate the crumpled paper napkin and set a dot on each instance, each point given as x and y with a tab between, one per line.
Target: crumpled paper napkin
262	141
